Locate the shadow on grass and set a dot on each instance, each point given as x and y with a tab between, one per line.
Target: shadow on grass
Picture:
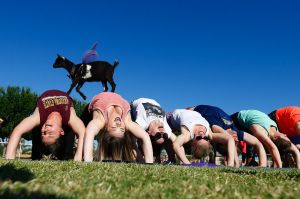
10	172
279	172
24	193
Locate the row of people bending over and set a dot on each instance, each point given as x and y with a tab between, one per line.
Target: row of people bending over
140	130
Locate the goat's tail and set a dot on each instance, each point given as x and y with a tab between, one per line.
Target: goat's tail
116	63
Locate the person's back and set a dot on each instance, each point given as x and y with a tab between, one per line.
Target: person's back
266	131
287	119
215	115
250	117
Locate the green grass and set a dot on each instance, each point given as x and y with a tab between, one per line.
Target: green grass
59	179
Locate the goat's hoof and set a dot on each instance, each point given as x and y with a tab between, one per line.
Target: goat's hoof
84	97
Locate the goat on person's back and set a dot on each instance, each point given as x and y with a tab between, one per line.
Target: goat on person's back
87	72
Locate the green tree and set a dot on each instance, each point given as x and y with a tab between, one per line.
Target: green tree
79	106
16	103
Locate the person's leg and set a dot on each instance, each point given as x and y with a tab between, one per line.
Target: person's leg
262	135
254	143
168	144
156	152
37	149
138	151
250	154
243	158
86	116
69	145
228	142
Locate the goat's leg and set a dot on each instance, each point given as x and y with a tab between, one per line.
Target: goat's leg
80	84
113	84
104	84
72	86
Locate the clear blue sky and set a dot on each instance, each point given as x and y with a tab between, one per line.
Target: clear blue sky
232	54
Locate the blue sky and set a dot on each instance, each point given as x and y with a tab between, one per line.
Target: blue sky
231	54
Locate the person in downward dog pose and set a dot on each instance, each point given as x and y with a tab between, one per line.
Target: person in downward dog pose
54	112
196	128
151	117
288	121
221	122
111	121
265	130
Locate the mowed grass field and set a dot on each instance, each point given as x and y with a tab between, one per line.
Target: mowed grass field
68	179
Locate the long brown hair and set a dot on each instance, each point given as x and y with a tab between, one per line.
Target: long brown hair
199	150
282	144
113	148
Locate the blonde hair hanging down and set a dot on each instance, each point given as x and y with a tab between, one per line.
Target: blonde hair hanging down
116	149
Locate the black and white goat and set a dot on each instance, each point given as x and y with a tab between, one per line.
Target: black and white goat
89	72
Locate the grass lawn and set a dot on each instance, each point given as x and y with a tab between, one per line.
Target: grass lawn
68	179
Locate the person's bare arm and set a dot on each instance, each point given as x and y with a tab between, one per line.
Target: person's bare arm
92	129
173	137
225	138
23	127
79	129
261	134
259	148
183	138
140	133
218	129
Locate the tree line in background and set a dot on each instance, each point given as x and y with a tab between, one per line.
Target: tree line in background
16	103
